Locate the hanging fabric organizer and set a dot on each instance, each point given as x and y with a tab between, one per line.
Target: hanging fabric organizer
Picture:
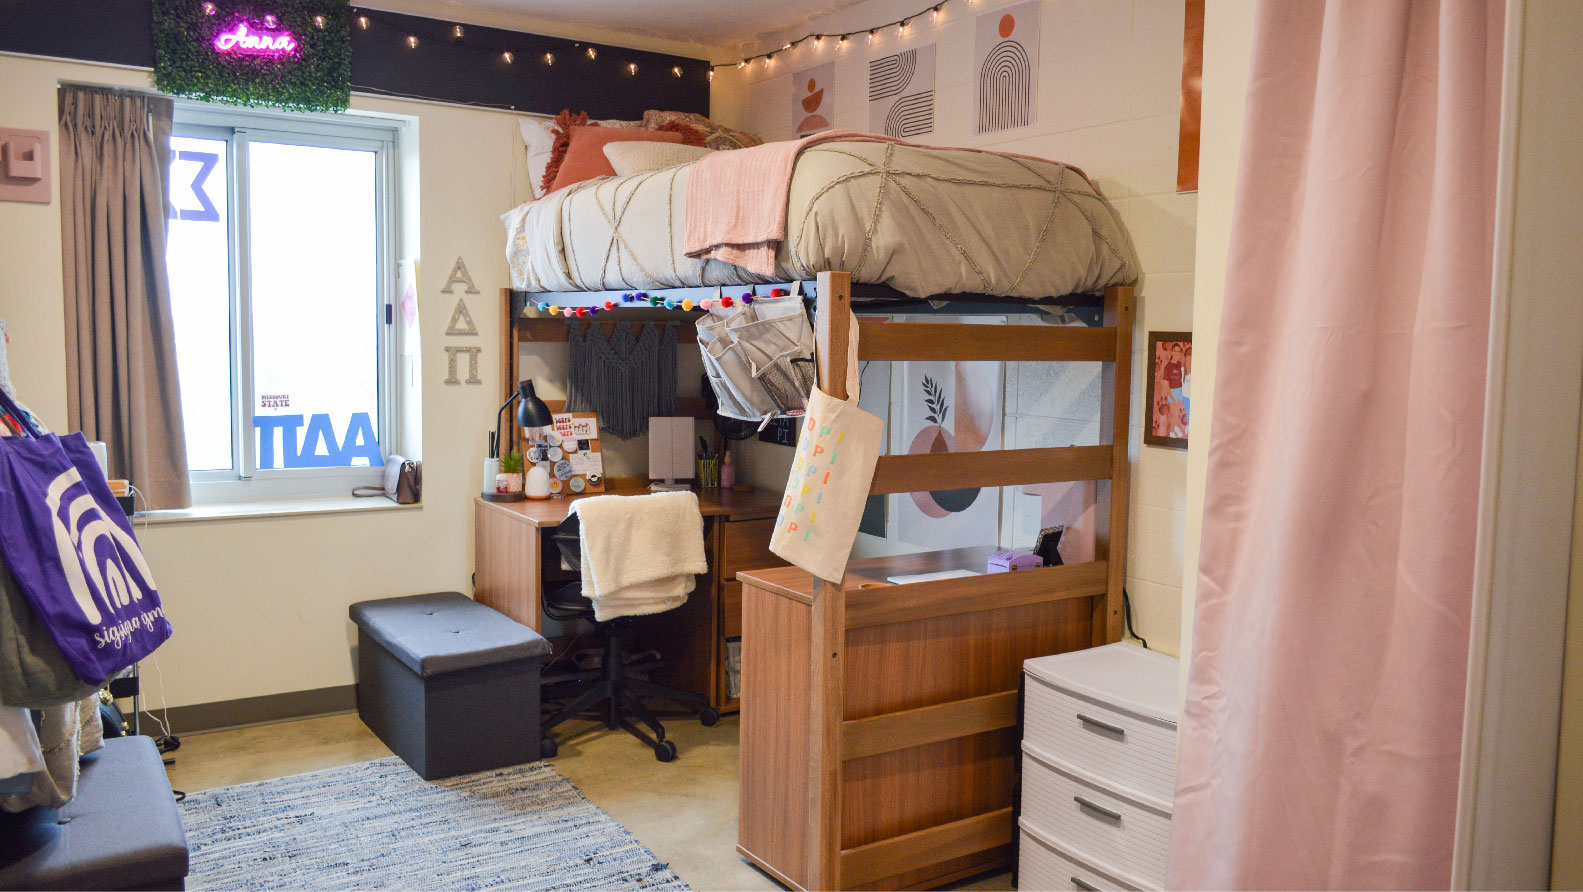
625	376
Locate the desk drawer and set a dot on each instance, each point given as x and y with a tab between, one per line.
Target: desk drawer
1102	826
1044	863
1129	750
745	545
731	604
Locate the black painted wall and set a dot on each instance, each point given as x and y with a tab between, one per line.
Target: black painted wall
471	69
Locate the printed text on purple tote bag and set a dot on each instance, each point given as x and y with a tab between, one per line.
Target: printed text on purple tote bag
79	525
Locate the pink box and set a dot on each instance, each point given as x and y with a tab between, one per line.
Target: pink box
1012	560
24	165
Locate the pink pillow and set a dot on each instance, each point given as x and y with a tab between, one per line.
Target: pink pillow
585	154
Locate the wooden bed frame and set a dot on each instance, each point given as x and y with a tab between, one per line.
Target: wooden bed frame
880	723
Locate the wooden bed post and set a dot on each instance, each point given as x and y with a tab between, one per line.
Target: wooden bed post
828	632
1116	392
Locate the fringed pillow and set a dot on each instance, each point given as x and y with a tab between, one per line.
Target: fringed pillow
713	135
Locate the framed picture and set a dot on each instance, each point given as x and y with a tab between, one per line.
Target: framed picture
1168	395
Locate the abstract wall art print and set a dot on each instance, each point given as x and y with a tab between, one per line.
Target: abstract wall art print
1006	68
901	93
813	99
945	407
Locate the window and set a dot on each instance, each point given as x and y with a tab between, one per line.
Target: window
281	269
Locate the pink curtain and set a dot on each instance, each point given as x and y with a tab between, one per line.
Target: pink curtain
1320	740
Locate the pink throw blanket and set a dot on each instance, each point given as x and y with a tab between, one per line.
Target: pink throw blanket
736	201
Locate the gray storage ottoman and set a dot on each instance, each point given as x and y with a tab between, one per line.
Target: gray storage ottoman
449	684
121	831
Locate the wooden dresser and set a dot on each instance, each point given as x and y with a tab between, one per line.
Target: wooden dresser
1098	769
925	717
513	561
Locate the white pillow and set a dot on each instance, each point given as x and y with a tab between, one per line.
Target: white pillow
538	142
646	157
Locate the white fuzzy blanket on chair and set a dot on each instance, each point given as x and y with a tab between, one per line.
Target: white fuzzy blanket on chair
641	554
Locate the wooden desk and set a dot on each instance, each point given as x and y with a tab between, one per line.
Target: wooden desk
510	570
922	720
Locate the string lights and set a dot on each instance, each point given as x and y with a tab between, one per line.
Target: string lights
462	37
902	25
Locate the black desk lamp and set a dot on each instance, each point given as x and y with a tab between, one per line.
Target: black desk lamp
531	412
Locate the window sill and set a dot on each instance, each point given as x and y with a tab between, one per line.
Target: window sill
270	509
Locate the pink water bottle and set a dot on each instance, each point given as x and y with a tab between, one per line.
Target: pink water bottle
728	473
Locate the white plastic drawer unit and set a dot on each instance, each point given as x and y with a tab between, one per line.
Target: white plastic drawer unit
1098	769
1109	711
1100	824
1045	864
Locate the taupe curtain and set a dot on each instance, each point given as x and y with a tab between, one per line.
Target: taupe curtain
121	381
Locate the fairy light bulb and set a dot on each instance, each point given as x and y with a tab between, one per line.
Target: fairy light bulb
632	68
711	75
786	47
816	40
412	41
871	37
208	9
840	41
742	64
676	71
362	22
934	15
456	31
508	57
902	28
319	22
549	58
271	22
593	53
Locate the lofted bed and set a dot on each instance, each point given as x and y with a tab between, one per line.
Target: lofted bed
879	738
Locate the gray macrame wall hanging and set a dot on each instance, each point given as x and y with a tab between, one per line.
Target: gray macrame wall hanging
625	376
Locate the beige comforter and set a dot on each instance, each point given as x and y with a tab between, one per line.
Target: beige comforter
922	221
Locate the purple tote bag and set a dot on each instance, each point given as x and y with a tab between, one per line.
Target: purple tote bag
71	550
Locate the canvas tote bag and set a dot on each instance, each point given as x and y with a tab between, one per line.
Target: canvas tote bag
837	449
72	553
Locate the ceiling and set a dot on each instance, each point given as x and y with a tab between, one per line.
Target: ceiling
704	23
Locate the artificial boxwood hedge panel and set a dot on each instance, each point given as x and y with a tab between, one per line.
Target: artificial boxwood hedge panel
314	75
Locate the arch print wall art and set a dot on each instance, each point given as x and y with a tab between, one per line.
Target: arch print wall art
1006	68
901	93
813	98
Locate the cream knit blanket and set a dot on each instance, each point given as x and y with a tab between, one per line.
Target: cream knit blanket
641	554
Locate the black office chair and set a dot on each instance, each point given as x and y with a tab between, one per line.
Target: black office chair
616	694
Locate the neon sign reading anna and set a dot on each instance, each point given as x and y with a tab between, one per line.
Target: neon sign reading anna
263	43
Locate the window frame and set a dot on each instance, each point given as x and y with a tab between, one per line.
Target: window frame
244	481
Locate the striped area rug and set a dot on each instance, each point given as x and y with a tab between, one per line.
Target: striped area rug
377	825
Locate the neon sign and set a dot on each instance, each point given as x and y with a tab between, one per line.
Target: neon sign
263	43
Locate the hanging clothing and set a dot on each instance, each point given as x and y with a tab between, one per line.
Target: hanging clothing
65	734
625	376
1321	735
